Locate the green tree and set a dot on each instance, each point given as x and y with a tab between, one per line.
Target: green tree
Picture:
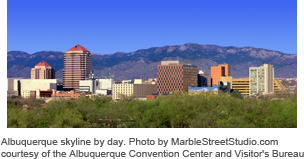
236	94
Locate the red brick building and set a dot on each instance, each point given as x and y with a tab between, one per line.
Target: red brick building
175	76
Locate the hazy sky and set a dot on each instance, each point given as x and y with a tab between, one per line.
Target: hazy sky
108	26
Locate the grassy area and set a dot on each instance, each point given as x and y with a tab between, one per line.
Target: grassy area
173	111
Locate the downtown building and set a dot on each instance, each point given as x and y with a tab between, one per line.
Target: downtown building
77	66
219	71
261	80
27	88
242	85
137	89
43	71
203	80
96	86
176	76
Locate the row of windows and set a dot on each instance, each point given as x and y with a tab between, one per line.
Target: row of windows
170	87
169	67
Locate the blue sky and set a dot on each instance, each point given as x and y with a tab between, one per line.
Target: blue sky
108	26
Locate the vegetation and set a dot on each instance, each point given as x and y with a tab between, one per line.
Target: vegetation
205	110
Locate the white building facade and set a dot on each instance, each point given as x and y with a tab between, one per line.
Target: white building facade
261	80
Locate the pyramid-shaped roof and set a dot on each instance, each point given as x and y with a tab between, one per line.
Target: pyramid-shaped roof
43	63
78	49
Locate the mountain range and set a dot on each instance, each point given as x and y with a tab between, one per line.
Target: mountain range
143	63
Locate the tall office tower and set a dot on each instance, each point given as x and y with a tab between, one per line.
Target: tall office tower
219	71
176	76
77	66
43	71
261	79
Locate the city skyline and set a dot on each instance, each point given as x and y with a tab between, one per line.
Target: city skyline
108	27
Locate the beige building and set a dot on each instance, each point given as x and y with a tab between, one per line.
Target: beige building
41	84
13	87
261	80
43	71
18	87
241	84
142	81
139	81
132	90
28	94
225	79
105	84
278	86
27	87
77	66
122	90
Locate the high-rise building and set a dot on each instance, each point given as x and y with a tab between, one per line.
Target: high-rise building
175	76
261	79
43	71
77	66
219	71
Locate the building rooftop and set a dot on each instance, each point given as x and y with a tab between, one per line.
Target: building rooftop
78	49
175	63
43	63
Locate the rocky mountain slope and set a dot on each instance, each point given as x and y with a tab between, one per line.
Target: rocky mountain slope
142	63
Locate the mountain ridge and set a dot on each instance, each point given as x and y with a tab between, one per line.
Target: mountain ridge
142	63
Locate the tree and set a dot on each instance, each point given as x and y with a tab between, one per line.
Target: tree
236	94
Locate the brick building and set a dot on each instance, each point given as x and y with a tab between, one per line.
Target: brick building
175	76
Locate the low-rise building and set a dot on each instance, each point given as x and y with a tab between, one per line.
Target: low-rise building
42	84
122	90
203	80
26	87
242	84
203	89
88	85
96	86
67	95
103	92
28	94
13	87
278	86
151	97
105	84
139	91
225	79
